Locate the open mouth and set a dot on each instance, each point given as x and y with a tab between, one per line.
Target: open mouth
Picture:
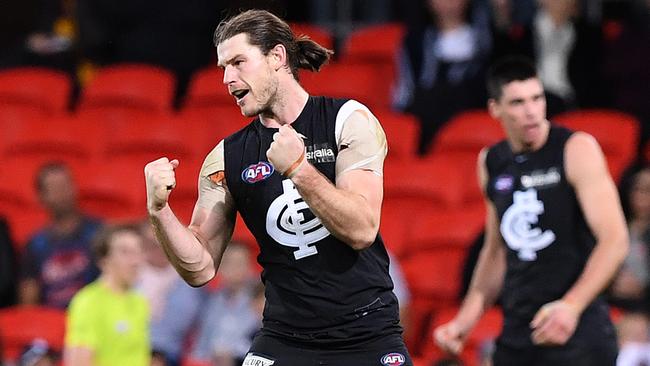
240	94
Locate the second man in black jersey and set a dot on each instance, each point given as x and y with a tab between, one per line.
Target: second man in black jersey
555	235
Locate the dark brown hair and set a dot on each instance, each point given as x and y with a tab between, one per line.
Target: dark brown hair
506	70
266	31
48	168
101	244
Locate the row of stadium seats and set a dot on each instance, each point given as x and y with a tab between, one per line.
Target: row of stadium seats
366	65
103	155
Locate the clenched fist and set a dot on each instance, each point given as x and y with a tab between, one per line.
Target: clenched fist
287	150
160	180
449	337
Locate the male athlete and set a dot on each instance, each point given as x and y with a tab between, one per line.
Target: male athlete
306	177
555	235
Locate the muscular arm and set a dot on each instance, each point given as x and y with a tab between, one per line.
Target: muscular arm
586	170
598	198
351	208
196	250
487	279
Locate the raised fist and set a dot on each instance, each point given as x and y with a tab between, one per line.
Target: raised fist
286	149
160	179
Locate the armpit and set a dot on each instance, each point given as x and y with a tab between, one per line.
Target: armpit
362	142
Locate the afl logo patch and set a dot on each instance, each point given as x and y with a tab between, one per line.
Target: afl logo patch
393	359
504	183
257	172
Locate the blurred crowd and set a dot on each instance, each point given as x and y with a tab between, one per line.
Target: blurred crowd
590	54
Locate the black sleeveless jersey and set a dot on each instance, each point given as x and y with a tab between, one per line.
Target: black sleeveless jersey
547	238
318	289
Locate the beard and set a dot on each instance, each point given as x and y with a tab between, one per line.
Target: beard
266	100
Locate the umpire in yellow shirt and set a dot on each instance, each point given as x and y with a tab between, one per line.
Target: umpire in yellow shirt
108	322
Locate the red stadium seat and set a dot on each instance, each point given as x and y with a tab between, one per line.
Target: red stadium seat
435	273
421	183
374	43
467	133
147	138
348	80
402	132
319	35
44	90
112	190
130	86
206	89
20	325
445	228
184	196
376	47
204	127
616	132
434	278
56	138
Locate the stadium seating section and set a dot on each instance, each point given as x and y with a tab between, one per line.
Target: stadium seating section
432	208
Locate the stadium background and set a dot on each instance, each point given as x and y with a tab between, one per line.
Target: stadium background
107	113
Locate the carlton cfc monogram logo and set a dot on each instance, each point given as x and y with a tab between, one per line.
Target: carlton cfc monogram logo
517	225
286	223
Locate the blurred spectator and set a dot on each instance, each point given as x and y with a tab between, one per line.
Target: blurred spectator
157	275
633	340
57	259
37	32
441	66
174	35
628	33
8	267
108	322
38	353
567	51
171	332
629	290
326	13
226	317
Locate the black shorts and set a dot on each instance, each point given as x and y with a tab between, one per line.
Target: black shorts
602	354
268	349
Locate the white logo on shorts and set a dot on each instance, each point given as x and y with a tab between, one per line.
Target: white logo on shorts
254	360
285	222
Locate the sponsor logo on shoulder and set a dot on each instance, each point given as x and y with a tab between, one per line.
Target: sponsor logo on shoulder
255	360
320	153
393	359
541	179
257	172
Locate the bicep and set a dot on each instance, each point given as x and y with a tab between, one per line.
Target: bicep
493	240
596	192
366	184
213	218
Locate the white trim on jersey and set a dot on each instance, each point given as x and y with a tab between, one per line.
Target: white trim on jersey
344	112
